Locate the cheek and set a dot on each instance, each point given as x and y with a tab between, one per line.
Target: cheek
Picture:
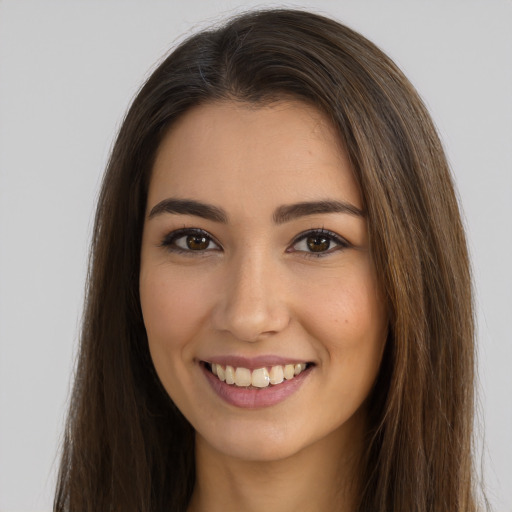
346	313
347	320
172	308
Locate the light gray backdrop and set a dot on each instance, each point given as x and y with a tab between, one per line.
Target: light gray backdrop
68	70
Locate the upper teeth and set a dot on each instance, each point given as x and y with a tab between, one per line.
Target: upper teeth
259	378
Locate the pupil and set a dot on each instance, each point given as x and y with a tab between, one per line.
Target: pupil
318	243
197	242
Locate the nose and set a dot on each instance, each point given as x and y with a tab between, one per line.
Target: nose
252	303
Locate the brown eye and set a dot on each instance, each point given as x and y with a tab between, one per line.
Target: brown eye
190	241
318	243
197	242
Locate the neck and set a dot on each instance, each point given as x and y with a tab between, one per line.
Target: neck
322	476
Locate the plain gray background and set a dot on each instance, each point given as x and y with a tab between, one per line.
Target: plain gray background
68	70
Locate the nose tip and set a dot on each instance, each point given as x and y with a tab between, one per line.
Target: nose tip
253	304
252	323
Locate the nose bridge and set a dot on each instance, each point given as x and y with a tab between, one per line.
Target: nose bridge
253	301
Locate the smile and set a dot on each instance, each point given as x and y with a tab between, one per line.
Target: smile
261	386
258	378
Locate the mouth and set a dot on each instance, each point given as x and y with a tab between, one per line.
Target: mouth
257	387
259	378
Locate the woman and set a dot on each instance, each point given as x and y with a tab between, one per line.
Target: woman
279	305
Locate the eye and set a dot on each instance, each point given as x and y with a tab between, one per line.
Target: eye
190	240
318	243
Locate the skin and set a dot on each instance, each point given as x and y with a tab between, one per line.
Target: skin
255	291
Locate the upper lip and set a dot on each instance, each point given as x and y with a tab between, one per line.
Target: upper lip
253	363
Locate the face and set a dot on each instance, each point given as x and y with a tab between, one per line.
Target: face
260	300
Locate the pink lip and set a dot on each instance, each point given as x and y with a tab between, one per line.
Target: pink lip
252	398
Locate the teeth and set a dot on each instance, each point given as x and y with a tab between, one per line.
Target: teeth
276	375
289	371
260	378
298	368
230	375
221	373
243	377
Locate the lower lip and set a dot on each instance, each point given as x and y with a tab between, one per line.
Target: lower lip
254	398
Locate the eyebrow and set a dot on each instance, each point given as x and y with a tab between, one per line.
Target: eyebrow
282	214
189	207
286	213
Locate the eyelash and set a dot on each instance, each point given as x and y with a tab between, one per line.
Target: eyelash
169	242
340	242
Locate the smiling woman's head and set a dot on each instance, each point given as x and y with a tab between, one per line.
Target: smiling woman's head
277	195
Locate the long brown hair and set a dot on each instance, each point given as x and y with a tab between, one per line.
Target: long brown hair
127	447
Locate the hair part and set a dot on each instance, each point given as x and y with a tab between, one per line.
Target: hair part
127	447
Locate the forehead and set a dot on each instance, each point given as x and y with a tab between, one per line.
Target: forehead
239	153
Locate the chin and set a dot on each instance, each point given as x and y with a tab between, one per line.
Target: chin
258	442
